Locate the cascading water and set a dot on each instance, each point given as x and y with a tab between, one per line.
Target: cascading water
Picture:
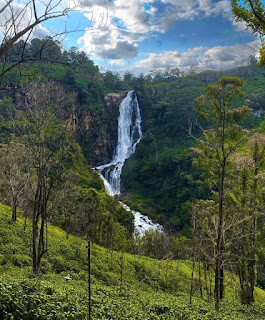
129	134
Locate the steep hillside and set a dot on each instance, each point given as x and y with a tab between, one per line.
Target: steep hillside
124	286
160	174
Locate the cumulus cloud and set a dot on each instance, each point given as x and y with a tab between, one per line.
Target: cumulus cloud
203	58
126	23
168	59
191	9
107	43
136	15
14	18
117	63
122	49
226	57
41	32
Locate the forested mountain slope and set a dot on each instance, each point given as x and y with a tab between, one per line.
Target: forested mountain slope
160	174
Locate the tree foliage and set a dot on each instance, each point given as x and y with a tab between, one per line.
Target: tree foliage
219	143
252	12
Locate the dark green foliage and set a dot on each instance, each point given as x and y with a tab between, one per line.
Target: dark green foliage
161	169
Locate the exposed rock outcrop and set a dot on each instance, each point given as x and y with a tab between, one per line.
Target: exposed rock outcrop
114	98
98	129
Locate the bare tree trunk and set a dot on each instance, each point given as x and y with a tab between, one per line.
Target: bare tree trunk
222	271
253	261
41	246
219	253
205	279
14	208
193	260
25	222
121	265
191	279
34	249
200	279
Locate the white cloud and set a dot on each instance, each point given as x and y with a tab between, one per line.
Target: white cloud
41	32
216	58
189	9
226	57
123	25
168	59
107	43
240	25
134	14
18	15
117	63
14	18
126	23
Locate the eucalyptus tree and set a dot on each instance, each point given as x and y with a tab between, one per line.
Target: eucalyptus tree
219	143
245	202
14	173
48	145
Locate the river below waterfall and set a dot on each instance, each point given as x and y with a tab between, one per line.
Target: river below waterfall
129	135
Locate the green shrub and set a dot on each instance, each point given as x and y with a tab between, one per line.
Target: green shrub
58	264
21	260
3	260
45	266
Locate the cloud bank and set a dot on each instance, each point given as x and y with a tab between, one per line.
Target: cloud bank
202	58
121	27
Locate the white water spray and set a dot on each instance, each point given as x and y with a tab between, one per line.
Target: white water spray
129	135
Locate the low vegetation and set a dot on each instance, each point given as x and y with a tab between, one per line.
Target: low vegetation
124	286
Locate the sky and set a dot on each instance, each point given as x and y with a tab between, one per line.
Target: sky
143	35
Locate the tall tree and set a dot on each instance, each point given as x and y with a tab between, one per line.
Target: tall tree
14	173
220	141
246	203
47	146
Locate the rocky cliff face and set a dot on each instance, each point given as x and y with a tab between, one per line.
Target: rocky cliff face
94	126
114	98
97	129
107	140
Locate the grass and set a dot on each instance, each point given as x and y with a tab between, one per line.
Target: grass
123	286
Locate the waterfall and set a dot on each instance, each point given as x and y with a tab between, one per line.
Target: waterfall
129	135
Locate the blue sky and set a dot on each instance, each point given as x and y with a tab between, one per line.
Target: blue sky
143	35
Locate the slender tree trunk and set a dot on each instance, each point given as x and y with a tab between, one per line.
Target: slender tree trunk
34	238
222	270
205	279
191	279
253	261
218	254
25	221
193	260
41	249
14	209
200	278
